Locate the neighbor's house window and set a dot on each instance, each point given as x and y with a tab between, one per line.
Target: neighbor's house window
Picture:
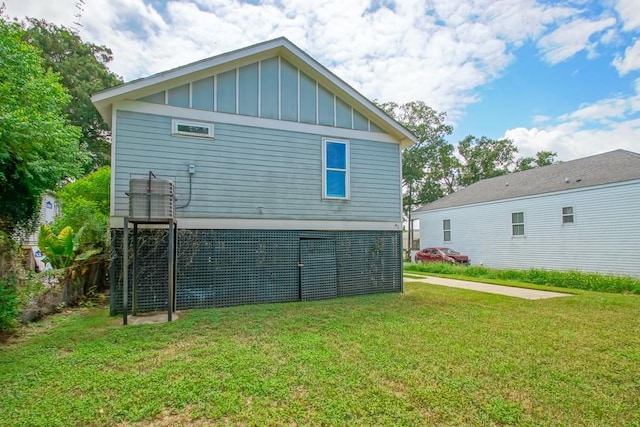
335	169
189	128
517	223
567	215
446	230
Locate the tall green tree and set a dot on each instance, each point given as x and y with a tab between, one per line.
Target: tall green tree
484	158
427	165
38	146
443	169
542	158
83	70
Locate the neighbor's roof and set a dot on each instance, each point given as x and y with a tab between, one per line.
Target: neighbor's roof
607	168
277	47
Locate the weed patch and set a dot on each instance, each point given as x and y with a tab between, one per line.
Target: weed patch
561	279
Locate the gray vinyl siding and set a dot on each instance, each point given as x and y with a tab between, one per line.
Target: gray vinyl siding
202	97
375	128
269	88
244	168
604	236
156	98
248	90
343	114
308	99
289	100
179	96
325	107
226	92
272	88
360	122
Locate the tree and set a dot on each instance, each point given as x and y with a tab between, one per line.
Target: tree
83	70
38	147
542	158
484	158
443	168
427	165
85	205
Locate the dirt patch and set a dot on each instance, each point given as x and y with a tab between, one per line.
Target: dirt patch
171	419
148	318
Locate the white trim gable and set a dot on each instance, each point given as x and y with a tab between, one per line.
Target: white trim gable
278	47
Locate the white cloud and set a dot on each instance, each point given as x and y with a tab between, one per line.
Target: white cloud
522	20
439	51
630	61
605	125
571	38
62	13
602	110
573	144
537	119
610	36
629	11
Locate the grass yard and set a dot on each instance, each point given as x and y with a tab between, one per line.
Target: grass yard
430	356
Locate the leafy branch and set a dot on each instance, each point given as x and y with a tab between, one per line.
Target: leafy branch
63	250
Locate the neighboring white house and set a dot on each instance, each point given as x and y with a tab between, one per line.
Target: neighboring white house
578	215
28	239
49	210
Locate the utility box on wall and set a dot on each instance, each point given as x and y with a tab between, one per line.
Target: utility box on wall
151	199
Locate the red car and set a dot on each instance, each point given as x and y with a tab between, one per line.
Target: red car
441	255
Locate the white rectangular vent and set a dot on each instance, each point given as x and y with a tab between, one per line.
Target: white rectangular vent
189	128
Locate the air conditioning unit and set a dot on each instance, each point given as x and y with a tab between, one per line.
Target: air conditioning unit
151	199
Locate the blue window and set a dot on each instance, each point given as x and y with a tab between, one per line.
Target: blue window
336	169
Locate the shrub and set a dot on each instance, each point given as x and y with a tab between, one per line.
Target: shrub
10	257
63	250
85	205
8	305
10	270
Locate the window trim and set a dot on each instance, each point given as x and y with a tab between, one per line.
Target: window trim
347	169
446	230
572	215
514	224
177	122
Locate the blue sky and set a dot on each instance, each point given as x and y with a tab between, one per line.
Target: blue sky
560	75
530	90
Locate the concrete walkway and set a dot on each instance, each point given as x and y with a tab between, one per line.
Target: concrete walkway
485	287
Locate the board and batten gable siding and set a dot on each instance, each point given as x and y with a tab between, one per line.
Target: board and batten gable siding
604	238
272	88
250	172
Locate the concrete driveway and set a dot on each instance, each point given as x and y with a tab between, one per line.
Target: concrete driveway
485	287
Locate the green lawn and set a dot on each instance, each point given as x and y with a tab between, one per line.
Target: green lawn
430	356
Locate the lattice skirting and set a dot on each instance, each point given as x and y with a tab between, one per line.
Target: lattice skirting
219	268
